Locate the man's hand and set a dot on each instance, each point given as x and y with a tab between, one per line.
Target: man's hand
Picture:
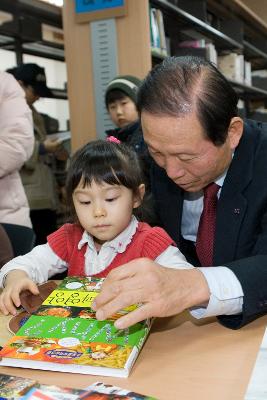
161	291
16	281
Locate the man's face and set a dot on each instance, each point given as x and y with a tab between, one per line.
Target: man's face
179	146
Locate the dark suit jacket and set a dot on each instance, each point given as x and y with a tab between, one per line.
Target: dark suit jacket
241	222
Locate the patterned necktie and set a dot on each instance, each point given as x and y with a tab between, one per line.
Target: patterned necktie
206	228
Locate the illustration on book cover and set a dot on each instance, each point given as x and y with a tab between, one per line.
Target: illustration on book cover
63	330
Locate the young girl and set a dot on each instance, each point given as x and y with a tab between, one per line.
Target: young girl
104	186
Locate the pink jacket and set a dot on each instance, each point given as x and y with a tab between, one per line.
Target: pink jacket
16	146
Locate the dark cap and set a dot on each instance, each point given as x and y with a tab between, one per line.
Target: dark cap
126	83
33	75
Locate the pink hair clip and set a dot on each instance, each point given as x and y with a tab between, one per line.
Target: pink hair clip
113	139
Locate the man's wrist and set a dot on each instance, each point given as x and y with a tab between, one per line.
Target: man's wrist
199	290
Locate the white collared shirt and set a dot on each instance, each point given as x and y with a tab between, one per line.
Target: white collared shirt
226	294
42	263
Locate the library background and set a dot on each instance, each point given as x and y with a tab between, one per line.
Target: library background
84	44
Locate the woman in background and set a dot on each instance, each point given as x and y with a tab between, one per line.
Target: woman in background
16	146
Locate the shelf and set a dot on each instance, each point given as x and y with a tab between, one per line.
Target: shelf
44	49
219	38
257	56
239	9
248	92
23	33
60	94
37	48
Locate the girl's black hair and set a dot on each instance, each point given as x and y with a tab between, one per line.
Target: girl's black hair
103	161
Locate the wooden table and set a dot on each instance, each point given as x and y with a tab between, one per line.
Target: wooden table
182	359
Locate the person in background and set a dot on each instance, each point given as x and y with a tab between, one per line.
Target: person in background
6	250
37	175
120	99
104	186
209	180
16	146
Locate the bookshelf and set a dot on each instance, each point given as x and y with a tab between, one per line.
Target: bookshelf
35	28
230	25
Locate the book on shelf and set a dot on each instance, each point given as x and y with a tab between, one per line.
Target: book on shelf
15	387
64	335
158	38
232	66
162	34
197	47
257	387
247	73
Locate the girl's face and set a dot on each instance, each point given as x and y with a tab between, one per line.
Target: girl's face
104	210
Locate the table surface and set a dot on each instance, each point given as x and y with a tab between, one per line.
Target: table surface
181	359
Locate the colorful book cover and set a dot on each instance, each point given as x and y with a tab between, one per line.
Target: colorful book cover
63	335
15	387
96	391
47	392
12	387
116	392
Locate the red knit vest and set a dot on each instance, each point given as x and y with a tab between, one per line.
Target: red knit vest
147	242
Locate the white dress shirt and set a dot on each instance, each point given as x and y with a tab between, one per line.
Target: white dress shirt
226	294
42	263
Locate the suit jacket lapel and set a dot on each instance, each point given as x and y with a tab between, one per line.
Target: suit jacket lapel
169	199
232	203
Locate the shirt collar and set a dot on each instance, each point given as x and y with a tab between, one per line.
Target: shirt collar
119	243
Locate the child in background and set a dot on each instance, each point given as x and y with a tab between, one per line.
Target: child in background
104	186
121	99
121	103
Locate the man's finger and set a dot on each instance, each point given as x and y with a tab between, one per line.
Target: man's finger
125	271
119	302
141	313
124	279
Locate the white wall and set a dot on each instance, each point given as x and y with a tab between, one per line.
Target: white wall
56	76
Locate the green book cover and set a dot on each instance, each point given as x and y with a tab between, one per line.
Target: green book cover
63	335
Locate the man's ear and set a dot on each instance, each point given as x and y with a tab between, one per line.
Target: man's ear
139	196
235	131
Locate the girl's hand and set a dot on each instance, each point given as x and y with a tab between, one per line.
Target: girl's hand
16	281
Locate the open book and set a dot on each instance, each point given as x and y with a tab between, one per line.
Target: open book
63	335
64	135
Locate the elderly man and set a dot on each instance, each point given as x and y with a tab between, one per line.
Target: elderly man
210	185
